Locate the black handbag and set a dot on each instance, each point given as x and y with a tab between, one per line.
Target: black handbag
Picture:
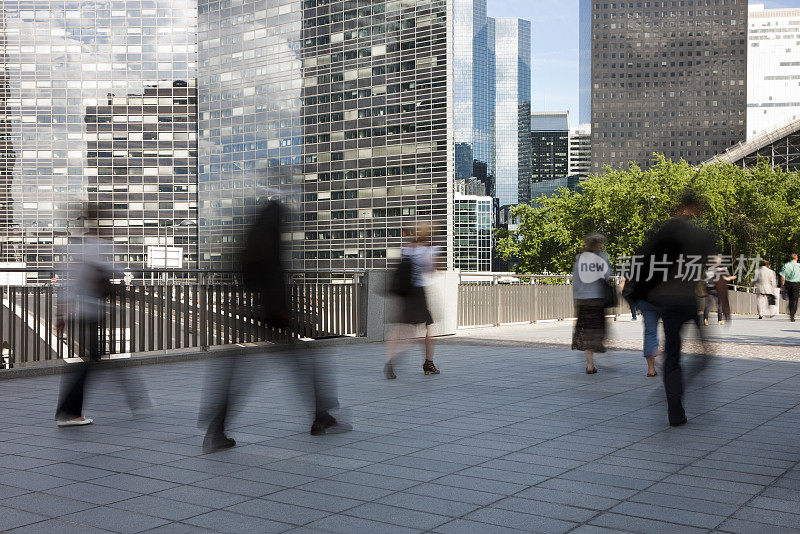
401	280
771	300
610	297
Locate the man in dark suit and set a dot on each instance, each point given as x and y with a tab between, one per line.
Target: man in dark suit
665	282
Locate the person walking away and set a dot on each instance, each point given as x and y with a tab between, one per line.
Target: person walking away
87	284
790	281
416	263
766	283
591	275
714	273
662	282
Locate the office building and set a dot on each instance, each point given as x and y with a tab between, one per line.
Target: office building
76	82
773	68
580	150
549	145
340	106
473	91
554	185
585	61
472	232
141	166
779	147
669	78
512	110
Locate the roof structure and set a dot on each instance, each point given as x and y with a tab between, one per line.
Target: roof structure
780	146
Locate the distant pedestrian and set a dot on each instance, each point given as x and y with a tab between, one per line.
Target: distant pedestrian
651	316
714	273
662	282
591	283
790	280
410	279
766	285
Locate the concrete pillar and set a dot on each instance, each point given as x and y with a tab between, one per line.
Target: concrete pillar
382	309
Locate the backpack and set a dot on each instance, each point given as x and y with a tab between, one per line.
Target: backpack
401	279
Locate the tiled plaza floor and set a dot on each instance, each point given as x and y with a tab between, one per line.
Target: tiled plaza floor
506	439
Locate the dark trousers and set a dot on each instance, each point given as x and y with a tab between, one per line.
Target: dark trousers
674	317
712	298
70	404
793	292
632	304
228	379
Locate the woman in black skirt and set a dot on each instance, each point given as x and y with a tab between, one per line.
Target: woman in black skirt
414	305
591	271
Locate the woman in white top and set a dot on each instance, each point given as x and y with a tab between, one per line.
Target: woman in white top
766	285
414	306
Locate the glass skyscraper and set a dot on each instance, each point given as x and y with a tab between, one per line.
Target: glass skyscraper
512	110
97	105
473	91
340	107
549	145
585	62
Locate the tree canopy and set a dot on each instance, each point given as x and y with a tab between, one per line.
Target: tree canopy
753	212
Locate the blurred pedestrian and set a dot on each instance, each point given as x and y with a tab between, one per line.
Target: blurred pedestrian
715	273
264	274
410	279
87	284
626	288
591	287
790	281
664	282
766	286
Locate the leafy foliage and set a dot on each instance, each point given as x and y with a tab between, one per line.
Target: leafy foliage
753	211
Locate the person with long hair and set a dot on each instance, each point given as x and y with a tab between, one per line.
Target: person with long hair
414	311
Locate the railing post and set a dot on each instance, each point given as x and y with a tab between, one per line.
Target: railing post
498	300
202	303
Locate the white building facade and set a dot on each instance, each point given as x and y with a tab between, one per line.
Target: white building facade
773	68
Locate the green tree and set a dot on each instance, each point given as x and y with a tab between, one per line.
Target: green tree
753	211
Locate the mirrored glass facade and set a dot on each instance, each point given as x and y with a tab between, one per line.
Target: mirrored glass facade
512	110
472	232
473	90
549	145
340	106
97	104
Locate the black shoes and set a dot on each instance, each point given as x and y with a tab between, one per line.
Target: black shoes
388	372
429	369
679	423
217	442
326	424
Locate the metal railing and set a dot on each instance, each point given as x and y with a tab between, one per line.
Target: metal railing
494	299
164	310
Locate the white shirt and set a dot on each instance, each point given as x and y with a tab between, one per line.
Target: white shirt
421	258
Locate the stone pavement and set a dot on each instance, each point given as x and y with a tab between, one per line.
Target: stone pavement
507	439
743	337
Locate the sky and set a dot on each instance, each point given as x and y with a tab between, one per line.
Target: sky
554	47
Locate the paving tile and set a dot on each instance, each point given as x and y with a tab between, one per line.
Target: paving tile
672	515
201	496
545	509
278	511
162	508
343	524
239	486
638	524
464	526
398	516
134	483
115	520
429	504
769	517
231	523
309	499
13	518
100	495
520	521
45	504
57	526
